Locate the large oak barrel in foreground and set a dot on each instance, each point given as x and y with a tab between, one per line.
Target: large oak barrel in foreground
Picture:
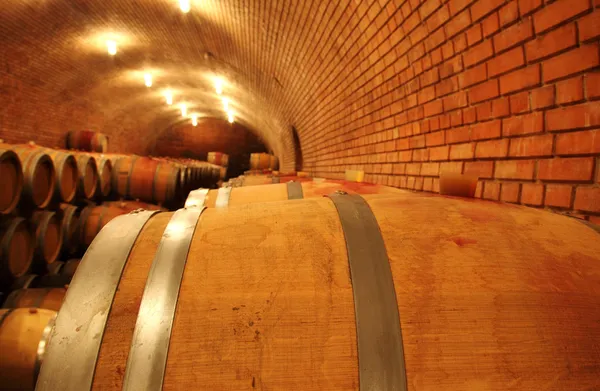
470	295
23	336
86	140
11	180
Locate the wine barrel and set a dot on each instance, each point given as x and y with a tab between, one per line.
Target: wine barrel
105	173
69	225
55	267
93	219
48	237
273	162
130	206
147	179
70	267
67	174
16	249
38	173
279	192
23	336
218	158
11	180
453	294
88	175
260	161
86	140
47	298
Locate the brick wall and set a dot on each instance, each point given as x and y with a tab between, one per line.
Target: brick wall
508	90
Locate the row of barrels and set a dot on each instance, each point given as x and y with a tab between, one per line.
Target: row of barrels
35	243
263	161
391	290
218	158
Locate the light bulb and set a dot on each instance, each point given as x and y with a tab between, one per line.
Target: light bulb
169	97
219	86
226	103
230	117
195	119
184	5
148	80
112	47
183	110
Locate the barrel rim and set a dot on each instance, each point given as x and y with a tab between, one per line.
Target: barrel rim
9	154
36	160
5	246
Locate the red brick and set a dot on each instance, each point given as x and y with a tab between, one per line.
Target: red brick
531	146
527	6
573	117
474	35
473	76
569	91
500	108
462	151
542	98
558	196
524	124
567	169
484	111
433	108
558	12
485	91
428	7
514	169
436	138
595	219
457	24
513	36
589	26
509	13
588	199
405	156
413	168
439	153
469	115
491	191
490	25
521	79
478	53
430	169
510	192
578	143
458	5
399	169
447	86
532	194
486	130
574	61
451	167
420	155
483	169
555	41
451	67
427	184
479	189
483	7
519	103
493	148
456	118
592	85
506	62
455	101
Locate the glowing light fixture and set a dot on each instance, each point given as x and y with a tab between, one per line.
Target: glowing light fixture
230	117
148	80
219	86
185	6
111	46
195	119
183	110
169	97
226	104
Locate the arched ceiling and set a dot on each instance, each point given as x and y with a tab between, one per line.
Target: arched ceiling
276	59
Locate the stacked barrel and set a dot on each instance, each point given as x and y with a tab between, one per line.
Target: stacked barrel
220	159
263	162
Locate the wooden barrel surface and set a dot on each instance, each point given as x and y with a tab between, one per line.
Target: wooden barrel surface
16	248
490	296
122	171
48	236
70	267
260	161
47	298
23	336
69	225
88	175
130	206
218	158
86	140
67	174
11	180
281	191
39	174
105	174
93	219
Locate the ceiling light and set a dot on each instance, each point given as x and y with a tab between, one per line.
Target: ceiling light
230	117
183	110
184	5
169	97
148	80
219	86
112	47
226	103
195	119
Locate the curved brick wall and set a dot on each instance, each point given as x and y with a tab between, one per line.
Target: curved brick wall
402	89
